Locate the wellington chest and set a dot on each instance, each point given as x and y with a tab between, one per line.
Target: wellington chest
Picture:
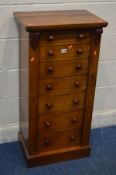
58	59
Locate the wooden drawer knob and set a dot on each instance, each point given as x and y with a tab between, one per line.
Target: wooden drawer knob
77	84
47	141
72	137
74	120
47	124
50	37
50	52
49	105
81	36
75	101
80	51
50	69
78	66
49	87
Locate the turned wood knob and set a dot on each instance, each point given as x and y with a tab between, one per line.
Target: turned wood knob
81	36
74	120
80	51
77	84
47	142
50	37
75	101
78	66
49	105
50	52
49	87
72	137
50	69
47	124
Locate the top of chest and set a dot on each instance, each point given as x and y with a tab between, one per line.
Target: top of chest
45	20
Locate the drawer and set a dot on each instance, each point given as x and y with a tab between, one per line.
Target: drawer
62	68
64	37
59	140
62	85
64	52
60	102
49	123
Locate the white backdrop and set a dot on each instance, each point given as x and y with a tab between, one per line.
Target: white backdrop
105	99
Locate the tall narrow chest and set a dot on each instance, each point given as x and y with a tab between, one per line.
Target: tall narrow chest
59	52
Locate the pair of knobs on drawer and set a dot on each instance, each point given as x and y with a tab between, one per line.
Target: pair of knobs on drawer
79	36
50	69
48	123
52	53
50	87
71	137
49	105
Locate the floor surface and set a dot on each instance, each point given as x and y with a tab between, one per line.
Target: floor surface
101	162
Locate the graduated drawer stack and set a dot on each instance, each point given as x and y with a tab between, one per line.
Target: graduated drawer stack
63	68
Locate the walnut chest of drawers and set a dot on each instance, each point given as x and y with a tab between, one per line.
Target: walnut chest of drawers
58	66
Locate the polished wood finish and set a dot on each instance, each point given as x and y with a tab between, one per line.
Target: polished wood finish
91	83
64	37
58	68
63	68
53	156
45	20
64	52
68	102
48	123
54	86
58	140
24	80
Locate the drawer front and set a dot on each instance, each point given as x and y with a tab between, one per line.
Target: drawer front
60	103
62	85
64	52
64	37
59	140
49	123
62	68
